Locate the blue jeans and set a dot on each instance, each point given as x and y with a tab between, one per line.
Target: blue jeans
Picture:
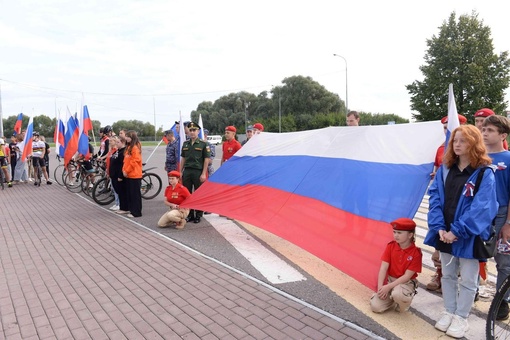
502	261
117	200
466	286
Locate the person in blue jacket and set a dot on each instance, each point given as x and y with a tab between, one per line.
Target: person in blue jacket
457	213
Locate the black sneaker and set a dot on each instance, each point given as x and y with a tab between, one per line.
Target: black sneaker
503	311
49	182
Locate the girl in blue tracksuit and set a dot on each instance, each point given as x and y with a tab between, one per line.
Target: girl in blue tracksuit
457	213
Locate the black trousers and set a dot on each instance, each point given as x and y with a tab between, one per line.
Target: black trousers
13	165
134	195
191	180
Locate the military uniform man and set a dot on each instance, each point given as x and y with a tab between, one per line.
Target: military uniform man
195	157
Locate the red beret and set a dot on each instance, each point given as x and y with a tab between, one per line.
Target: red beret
231	128
403	224
174	173
485	112
258	126
462	119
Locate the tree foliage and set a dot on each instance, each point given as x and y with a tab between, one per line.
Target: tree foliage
300	102
142	129
9	122
462	54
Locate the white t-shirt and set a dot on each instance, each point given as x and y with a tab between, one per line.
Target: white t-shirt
38	149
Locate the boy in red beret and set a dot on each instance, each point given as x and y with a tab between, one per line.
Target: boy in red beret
257	128
175	194
401	263
230	145
480	116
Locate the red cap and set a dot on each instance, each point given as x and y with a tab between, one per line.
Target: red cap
462	119
174	173
230	128
403	224
258	126
485	112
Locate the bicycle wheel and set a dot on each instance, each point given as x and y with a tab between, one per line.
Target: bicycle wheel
73	180
151	186
68	171
87	183
498	329
58	174
102	192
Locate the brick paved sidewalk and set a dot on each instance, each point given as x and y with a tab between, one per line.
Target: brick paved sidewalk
69	270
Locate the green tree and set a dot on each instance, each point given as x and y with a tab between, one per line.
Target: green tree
461	54
302	103
45	125
302	95
142	129
380	119
9	124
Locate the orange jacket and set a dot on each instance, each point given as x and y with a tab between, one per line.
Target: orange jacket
133	163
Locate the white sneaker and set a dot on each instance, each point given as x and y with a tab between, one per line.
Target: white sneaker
458	327
114	207
444	322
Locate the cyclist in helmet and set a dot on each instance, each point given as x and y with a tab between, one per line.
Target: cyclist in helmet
104	146
38	152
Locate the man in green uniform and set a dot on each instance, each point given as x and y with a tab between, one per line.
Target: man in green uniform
195	157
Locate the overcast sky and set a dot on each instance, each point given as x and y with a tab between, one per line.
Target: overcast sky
150	60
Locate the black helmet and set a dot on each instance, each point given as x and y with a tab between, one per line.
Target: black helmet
107	129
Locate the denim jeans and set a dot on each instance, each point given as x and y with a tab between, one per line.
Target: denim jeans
502	260
459	304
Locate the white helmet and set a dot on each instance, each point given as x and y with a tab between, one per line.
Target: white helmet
2	141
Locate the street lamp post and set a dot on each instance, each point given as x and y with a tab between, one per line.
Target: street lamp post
346	97
279	112
245	117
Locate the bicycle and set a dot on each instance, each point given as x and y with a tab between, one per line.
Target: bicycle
78	178
151	184
498	329
59	172
102	191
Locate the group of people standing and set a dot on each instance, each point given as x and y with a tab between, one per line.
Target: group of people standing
23	170
123	157
193	165
468	198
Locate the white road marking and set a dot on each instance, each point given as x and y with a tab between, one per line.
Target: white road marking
274	269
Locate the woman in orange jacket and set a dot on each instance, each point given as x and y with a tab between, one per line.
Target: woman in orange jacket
132	171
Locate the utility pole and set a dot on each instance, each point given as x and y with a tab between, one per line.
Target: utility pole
1	115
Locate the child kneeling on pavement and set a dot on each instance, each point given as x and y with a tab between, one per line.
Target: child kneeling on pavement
175	194
401	263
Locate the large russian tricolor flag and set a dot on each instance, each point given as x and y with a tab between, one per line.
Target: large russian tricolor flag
330	191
